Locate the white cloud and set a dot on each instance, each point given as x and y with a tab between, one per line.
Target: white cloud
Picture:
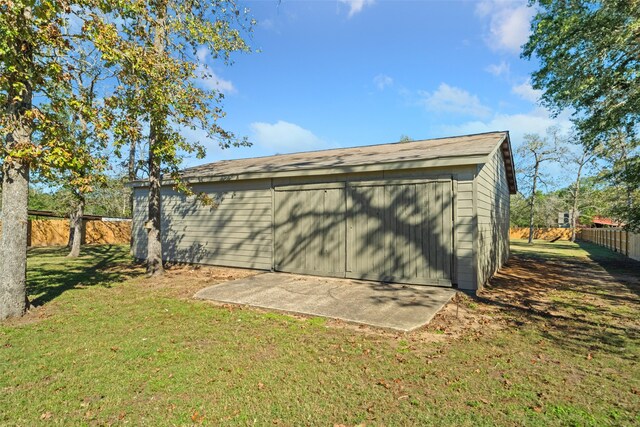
450	99
214	82
508	23
356	6
525	91
382	81
267	24
209	79
503	68
285	137
537	121
202	54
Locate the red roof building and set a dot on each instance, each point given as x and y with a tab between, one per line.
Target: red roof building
600	222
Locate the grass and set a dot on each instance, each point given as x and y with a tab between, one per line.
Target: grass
547	250
553	341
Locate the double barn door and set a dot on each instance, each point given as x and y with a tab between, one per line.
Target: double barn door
388	231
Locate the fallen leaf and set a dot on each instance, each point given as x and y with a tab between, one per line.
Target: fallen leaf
383	383
589	356
46	415
197	418
260	386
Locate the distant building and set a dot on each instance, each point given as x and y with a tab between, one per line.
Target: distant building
602	222
564	219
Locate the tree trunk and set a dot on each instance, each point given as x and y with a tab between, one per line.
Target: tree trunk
154	243
532	202
15	187
576	198
76	229
13	262
132	177
15	199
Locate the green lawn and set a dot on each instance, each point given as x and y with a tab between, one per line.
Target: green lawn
546	249
553	341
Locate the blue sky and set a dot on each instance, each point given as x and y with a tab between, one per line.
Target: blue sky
342	73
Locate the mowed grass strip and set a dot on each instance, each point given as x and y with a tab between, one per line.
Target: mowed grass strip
553	341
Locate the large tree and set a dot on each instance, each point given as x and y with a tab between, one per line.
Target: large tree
32	42
157	46
581	159
620	153
589	55
37	41
534	153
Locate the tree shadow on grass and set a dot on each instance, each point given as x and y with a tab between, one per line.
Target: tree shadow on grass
575	301
624	269
50	273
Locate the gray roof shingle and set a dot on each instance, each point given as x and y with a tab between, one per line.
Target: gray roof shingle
466	149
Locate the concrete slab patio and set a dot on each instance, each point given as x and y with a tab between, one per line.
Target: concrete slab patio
391	306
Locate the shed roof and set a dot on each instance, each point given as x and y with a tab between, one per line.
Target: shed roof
449	151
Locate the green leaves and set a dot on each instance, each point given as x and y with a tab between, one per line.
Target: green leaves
162	86
589	53
98	81
590	61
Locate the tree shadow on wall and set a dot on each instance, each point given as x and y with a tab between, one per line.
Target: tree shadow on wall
233	230
394	234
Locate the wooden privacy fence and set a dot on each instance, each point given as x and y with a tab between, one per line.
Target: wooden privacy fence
540	233
616	239
55	232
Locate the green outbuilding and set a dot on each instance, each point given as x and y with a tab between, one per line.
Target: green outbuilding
430	212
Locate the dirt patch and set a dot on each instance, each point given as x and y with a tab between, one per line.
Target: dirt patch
557	291
183	281
464	315
33	315
539	286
